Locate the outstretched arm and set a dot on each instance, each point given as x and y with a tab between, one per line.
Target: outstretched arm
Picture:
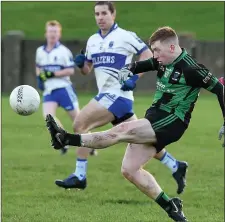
145	55
144	66
218	89
201	77
129	72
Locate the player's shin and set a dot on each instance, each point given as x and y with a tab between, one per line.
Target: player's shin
98	140
146	183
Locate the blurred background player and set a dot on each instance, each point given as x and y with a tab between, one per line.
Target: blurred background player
107	52
54	66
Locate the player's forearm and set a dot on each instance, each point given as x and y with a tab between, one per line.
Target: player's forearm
64	72
147	54
219	91
142	66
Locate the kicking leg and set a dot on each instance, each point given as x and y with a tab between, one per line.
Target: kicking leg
136	131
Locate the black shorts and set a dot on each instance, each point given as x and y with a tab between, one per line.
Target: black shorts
167	126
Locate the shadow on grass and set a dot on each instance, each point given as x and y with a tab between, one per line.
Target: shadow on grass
127	202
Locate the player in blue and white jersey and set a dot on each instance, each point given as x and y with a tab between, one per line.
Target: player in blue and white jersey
107	52
54	66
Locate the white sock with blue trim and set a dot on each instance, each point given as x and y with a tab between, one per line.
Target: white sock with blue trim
169	161
81	168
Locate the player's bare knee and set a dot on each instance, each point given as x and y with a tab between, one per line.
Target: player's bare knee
128	170
128	173
79	127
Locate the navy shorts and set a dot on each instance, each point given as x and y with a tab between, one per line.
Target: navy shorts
120	107
65	97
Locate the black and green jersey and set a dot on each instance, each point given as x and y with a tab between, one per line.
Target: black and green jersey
178	84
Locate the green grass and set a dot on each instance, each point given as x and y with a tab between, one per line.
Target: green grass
206	19
30	166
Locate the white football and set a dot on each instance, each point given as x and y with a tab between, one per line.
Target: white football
24	100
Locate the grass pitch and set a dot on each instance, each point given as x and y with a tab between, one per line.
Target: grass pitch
30	166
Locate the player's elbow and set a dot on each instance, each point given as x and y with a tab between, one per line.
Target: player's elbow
71	71
218	89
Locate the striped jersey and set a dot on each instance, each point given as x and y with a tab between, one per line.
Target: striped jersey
109	54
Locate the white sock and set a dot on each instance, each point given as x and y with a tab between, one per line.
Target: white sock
81	168
170	162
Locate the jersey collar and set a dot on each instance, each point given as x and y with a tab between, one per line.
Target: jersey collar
181	56
55	46
114	26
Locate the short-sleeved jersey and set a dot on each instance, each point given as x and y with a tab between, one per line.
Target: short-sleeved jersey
60	57
178	84
109	54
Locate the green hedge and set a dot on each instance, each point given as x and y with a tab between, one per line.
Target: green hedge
203	18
